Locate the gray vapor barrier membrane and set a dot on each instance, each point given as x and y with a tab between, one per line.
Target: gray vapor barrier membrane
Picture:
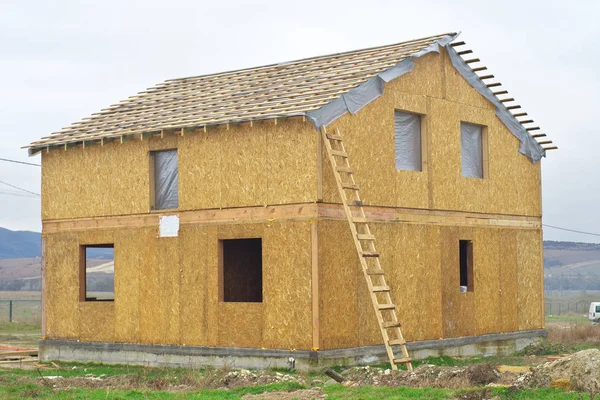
471	149
407	138
368	91
165	167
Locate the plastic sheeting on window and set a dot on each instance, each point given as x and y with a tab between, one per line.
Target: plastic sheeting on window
165	179
407	138
471	150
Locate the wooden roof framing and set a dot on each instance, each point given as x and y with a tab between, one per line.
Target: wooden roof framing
281	90
507	102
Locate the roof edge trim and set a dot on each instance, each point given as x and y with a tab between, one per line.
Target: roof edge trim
529	146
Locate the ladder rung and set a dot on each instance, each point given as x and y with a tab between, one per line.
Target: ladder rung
339	153
350	186
360	220
382	307
365	236
402	360
375	272
370	254
334	137
396	342
381	289
395	324
347	170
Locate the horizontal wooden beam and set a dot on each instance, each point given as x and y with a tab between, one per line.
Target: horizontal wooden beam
526	121
500	92
545	142
483	77
479	69
538	135
462	53
456	44
551	148
513	107
521	114
297	212
533	128
496	84
472	60
507	100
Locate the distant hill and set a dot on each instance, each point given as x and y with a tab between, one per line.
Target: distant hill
27	244
20	244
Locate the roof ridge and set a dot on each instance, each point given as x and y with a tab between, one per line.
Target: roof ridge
299	60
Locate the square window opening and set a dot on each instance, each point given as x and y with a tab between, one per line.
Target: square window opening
97	272
240	262
473	145
164	193
466	265
408	141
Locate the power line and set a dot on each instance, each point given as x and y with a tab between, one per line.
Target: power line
571	230
16	187
19	162
18	194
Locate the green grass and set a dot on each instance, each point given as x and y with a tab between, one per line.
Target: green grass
567	319
447	361
20	327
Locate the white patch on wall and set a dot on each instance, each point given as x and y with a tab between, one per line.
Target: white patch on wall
168	226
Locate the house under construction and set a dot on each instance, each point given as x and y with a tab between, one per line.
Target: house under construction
376	204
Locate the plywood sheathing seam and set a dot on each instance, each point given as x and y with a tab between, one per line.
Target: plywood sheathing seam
513	184
239	167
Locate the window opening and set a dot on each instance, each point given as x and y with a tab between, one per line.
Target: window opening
97	272
164	180
472	148
407	140
466	265
241	270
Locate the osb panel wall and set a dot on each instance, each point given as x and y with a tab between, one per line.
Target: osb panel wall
242	166
338	285
166	289
412	268
509	266
530	280
437	91
422	268
99	180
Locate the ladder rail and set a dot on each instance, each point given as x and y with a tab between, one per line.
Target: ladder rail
367	250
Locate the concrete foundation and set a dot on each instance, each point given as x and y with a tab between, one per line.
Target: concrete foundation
188	356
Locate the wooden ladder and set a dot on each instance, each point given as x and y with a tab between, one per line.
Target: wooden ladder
380	292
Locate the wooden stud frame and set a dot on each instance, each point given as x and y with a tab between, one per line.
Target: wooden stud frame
314	250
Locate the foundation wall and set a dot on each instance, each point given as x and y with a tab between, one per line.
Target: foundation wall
166	289
444	99
189	356
422	268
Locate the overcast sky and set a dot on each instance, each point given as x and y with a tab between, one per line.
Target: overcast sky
61	61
